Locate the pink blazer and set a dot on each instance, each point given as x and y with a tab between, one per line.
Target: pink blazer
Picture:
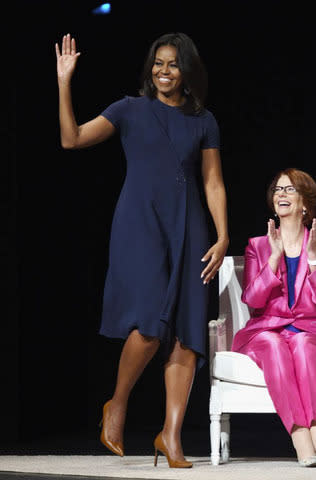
266	293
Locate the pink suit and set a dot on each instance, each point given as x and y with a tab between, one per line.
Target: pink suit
287	359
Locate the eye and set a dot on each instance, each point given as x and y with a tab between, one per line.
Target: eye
157	63
173	65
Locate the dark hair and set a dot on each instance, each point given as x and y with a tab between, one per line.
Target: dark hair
304	184
190	65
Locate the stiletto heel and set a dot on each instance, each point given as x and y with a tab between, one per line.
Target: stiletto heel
156	457
160	446
115	447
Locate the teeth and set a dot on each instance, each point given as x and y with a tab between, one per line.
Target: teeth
164	80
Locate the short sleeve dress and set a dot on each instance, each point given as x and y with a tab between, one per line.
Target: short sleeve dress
160	229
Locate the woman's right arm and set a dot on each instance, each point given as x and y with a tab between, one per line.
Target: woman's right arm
74	135
258	282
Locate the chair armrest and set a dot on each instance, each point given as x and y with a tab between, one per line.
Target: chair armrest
217	336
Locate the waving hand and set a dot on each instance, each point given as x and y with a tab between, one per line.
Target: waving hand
67	59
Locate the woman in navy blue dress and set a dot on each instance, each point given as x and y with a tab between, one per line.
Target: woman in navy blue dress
156	289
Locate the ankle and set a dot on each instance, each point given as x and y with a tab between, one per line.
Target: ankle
118	403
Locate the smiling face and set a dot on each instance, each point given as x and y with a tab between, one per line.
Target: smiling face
166	75
287	204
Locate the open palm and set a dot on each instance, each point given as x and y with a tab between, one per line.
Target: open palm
67	59
275	239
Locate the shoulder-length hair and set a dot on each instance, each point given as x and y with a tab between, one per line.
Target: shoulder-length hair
192	69
305	186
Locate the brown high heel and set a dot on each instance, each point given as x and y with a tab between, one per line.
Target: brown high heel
161	447
115	447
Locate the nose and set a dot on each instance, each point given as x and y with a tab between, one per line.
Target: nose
165	69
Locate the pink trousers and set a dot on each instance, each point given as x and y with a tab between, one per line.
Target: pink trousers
288	361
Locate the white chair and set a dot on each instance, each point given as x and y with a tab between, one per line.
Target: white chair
237	383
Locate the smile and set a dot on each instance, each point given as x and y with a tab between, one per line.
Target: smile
164	80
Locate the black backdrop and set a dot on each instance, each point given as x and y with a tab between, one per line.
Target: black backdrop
57	370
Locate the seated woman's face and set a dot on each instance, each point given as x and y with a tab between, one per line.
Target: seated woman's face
287	201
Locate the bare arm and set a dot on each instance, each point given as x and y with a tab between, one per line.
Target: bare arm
72	135
216	201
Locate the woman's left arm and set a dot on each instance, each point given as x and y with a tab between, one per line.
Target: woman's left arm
216	200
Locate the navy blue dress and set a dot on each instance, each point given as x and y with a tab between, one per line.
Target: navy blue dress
160	228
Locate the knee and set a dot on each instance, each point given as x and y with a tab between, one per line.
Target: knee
183	354
150	342
303	342
147	341
270	341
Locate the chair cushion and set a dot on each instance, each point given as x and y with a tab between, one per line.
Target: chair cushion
238	368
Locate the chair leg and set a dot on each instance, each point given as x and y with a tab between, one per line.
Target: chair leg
225	437
215	431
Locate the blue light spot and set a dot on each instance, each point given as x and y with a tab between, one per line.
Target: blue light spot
103	9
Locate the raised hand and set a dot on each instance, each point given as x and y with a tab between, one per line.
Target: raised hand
67	59
311	243
275	240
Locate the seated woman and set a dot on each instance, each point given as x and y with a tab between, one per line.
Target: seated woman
280	289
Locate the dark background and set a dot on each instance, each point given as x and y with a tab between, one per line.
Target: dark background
58	205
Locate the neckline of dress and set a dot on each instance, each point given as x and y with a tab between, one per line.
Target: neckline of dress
160	102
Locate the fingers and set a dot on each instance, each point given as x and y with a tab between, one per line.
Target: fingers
212	267
63	46
210	271
271	227
68	46
57	50
207	256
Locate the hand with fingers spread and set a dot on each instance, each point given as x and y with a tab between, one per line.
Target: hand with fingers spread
67	59
215	255
311	243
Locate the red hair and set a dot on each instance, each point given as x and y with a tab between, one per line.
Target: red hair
305	186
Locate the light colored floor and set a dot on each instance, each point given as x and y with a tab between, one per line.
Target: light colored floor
142	467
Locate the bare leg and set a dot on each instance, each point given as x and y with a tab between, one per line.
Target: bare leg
313	433
137	352
179	375
302	441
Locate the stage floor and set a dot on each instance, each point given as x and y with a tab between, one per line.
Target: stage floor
73	467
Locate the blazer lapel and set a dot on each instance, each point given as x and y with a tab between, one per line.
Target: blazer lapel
282	274
302	269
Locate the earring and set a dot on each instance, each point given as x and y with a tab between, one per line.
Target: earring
304	211
275	214
187	91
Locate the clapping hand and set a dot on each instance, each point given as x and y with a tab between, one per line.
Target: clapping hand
275	240
311	243
67	59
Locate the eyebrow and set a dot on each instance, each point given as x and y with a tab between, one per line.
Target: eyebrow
170	61
290	185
